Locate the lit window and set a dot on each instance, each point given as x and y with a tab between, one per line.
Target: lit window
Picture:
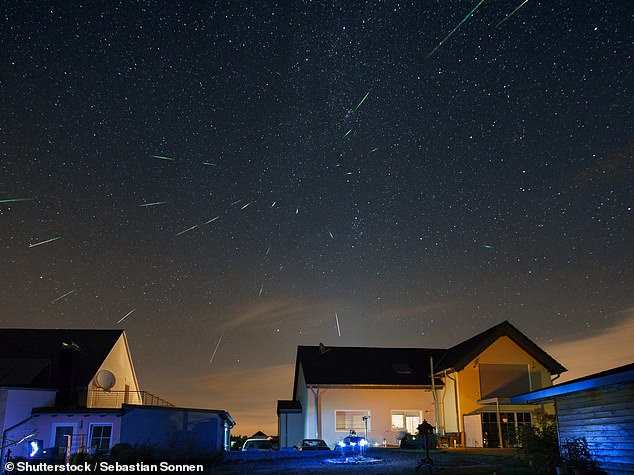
406	420
351	420
100	436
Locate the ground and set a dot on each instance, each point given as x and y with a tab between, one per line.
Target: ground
390	461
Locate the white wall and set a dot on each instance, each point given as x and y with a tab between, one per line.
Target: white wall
380	403
16	404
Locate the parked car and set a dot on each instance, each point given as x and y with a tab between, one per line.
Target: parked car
258	444
312	444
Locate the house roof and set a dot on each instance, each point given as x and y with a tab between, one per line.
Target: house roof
323	366
287	406
365	366
619	375
460	355
31	358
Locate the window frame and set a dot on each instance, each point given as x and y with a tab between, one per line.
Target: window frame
91	428
366	412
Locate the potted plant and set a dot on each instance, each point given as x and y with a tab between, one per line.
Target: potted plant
577	456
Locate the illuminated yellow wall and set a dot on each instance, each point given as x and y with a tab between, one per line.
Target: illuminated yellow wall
119	363
502	351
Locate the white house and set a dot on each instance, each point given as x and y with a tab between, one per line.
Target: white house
62	391
386	392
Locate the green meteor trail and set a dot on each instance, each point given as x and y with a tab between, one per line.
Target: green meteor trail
186	230
364	98
62	296
457	26
512	13
210	164
162	158
153	204
247	205
15	200
212	220
45	242
332	237
486	246
375	149
347	133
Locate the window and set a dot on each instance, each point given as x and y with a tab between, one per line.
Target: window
503	380
351	420
510	423
406	420
100	436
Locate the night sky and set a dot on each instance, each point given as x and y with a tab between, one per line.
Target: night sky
228	180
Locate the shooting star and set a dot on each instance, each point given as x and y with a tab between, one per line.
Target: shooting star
62	296
45	242
127	315
512	13
375	149
16	200
330	233
210	164
186	230
261	289
273	205
453	31
364	98
162	158
486	246
296	210
235	202
156	203
212	220
247	205
347	133
267	251
211	360
338	328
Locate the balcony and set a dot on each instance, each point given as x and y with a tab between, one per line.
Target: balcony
114	399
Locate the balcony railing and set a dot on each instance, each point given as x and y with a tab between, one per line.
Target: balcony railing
114	399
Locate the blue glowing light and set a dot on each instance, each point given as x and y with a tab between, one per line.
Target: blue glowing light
35	448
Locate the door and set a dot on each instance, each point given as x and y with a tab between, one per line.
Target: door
473	430
63	438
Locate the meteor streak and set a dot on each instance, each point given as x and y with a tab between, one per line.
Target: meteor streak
212	220
211	360
162	158
127	315
364	98
457	26
337	319
247	205
62	296
15	200
512	13
210	164
186	230
330	233
347	133
153	204
45	242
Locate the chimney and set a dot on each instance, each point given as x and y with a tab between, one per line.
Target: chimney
67	392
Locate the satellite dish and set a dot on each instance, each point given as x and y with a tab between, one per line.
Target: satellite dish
105	379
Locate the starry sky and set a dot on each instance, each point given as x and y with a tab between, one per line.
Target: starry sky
228	180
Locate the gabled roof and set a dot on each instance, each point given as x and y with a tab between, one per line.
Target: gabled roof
460	355
364	366
31	358
620	375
